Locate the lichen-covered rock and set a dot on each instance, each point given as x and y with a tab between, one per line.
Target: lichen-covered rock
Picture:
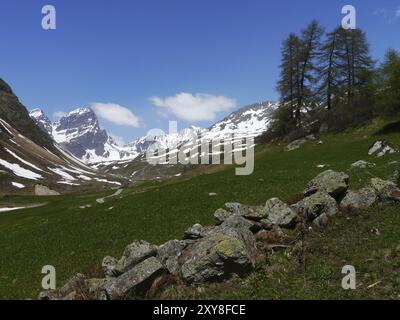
381	148
334	183
109	265
195	232
386	190
360	199
168	254
362	164
279	213
221	215
256	213
136	278
317	208
134	254
227	249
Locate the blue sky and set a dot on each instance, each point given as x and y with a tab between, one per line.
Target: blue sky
188	60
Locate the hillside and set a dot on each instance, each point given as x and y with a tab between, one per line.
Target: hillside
30	159
77	237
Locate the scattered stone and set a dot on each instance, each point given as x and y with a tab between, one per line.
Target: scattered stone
381	148
375	231
279	213
334	183
169	253
249	212
386	190
221	215
41	190
321	166
362	164
296	144
212	194
395	178
317	208
361	199
109	266
194	233
134	254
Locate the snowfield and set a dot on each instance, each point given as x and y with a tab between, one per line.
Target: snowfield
19	171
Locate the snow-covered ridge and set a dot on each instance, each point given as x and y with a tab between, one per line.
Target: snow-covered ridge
79	132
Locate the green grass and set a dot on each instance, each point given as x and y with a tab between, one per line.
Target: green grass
347	241
74	240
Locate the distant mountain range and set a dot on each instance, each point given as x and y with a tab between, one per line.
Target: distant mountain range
32	162
79	132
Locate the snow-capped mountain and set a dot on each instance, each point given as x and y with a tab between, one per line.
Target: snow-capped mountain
252	120
79	132
33	163
41	120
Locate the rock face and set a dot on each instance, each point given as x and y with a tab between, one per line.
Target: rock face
227	249
334	183
41	190
317	208
279	213
361	199
381	148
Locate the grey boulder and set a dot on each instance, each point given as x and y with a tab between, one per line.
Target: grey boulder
226	250
279	213
137	278
360	199
134	254
168	254
381	148
334	183
317	208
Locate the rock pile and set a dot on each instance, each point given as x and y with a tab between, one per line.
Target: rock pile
207	254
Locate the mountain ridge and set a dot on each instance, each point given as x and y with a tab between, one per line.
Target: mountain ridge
80	133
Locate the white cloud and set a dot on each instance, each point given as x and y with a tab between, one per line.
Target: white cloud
58	115
398	13
116	114
194	107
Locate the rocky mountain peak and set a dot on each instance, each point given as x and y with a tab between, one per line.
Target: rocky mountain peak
41	120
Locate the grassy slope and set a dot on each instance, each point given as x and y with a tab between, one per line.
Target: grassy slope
73	239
